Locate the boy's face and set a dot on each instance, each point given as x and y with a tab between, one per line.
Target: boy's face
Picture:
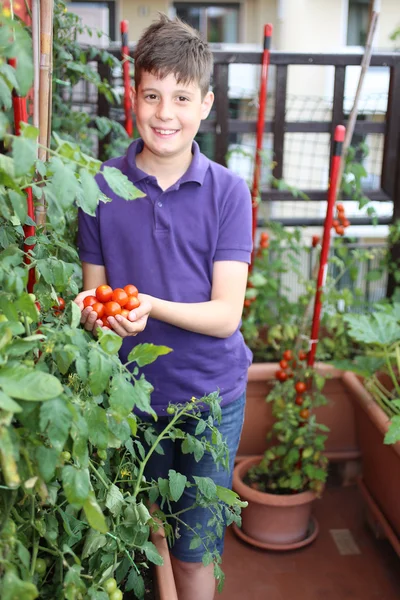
168	114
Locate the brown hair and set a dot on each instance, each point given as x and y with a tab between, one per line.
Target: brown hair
171	46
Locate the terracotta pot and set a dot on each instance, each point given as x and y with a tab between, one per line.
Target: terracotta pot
165	588
272	521
380	482
338	414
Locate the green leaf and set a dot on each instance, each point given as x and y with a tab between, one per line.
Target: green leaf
19	204
142	392
23	54
114	500
120	184
122	396
13	588
152	553
76	486
110	341
47	459
55	420
88	197
379	328
24	155
5	94
93	542
75	315
55	272
65	356
206	486
230	497
26	384
94	514
135	583
6	403
100	369
144	354
3	125
96	420
177	483
393	434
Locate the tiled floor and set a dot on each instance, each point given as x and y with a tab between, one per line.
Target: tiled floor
319	571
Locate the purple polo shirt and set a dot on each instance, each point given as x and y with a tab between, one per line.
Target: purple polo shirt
166	243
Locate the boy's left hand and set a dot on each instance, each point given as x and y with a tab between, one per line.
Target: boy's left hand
136	321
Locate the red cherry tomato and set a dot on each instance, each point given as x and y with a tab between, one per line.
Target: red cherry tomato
302	355
131	290
105	322
104	293
281	375
335	223
98	307
119	295
133	302
340	207
346	223
304	413
300	387
111	309
287	355
315	240
124	313
283	364
89	301
299	400
339	229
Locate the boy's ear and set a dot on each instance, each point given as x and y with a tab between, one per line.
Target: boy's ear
206	104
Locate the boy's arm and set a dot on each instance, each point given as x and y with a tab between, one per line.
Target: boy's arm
220	316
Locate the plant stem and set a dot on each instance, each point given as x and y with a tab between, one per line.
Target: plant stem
99	477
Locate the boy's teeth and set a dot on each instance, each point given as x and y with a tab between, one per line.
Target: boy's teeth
165	131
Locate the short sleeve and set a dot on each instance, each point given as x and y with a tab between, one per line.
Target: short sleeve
89	241
235	232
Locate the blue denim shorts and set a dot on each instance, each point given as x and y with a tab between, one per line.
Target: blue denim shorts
159	465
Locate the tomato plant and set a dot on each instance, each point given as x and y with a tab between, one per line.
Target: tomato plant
71	458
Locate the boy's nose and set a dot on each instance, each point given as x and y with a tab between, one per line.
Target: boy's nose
164	111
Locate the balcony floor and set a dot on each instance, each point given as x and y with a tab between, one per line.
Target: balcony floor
323	570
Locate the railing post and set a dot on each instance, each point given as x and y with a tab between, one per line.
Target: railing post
390	181
103	106
221	72
338	98
279	119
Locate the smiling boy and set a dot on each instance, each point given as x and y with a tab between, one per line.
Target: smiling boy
186	245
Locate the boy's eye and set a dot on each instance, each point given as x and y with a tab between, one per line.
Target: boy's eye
183	99
151	96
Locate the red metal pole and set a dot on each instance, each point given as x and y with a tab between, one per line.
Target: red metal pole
260	126
126	78
323	264
21	115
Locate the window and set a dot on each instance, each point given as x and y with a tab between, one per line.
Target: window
358	21
218	23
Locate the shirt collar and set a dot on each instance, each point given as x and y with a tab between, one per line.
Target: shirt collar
196	171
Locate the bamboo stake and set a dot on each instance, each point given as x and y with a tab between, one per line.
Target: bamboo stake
364	68
35	45
45	74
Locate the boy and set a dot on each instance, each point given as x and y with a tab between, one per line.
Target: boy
186	245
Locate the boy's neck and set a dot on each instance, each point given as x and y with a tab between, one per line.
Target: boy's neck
167	170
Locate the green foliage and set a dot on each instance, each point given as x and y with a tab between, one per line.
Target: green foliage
75	508
378	359
275	314
294	462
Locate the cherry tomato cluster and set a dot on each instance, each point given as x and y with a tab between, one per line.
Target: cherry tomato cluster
340	222
287	364
57	308
108	302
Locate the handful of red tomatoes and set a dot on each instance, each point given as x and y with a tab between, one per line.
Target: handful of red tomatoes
108	302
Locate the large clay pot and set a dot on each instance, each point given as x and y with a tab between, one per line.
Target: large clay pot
380	480
338	414
271	521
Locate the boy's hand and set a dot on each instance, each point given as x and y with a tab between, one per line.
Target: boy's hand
89	318
136	321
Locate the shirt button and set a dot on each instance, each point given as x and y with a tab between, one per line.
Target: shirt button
159	204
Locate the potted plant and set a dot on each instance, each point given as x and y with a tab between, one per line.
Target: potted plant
277	311
281	485
374	383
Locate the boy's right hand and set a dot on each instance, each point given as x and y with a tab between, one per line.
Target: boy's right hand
89	318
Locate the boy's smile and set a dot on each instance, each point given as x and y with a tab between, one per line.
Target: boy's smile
168	115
